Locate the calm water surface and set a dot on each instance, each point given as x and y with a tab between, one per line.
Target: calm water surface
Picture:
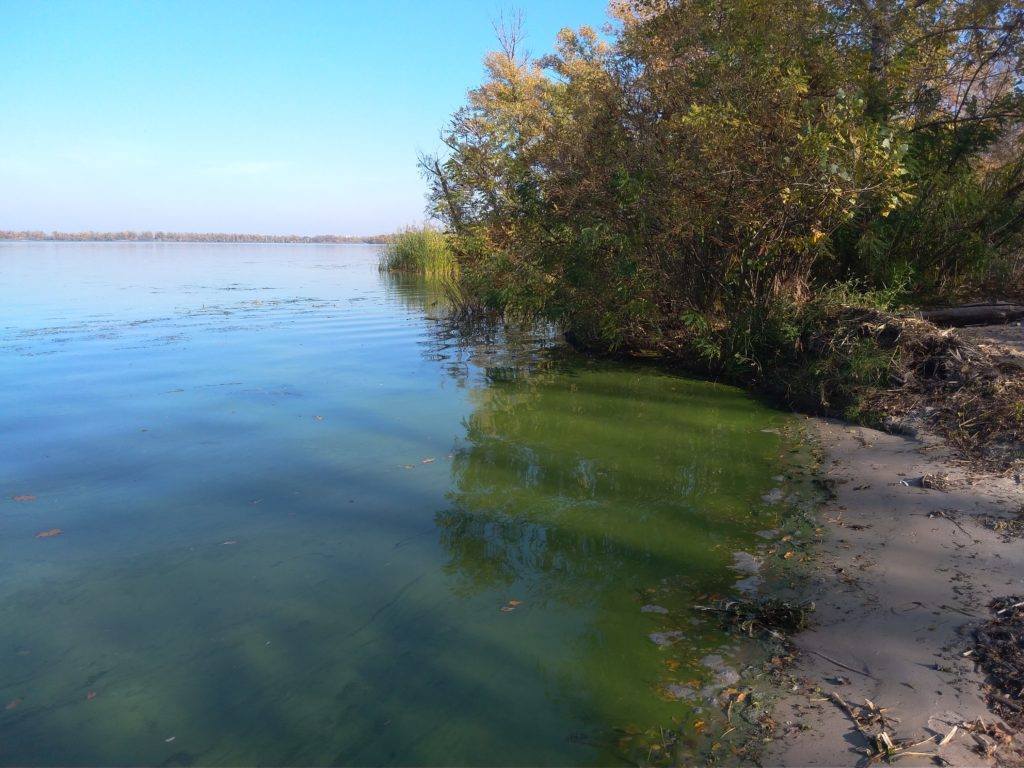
291	508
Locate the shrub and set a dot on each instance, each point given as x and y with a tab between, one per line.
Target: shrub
718	159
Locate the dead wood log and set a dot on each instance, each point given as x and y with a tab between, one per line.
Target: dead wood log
974	314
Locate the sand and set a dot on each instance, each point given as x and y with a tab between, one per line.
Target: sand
902	573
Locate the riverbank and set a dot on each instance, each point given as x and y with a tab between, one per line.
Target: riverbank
909	560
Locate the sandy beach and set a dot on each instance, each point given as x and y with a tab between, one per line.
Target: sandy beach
903	572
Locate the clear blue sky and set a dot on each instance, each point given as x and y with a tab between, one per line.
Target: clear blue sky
277	117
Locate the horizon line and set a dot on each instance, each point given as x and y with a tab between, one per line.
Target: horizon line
157	236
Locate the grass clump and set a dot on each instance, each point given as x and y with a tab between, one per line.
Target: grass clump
419	250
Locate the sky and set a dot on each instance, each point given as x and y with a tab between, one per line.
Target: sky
289	117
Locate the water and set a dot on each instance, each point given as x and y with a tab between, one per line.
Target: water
291	508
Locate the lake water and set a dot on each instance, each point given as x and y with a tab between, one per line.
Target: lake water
286	508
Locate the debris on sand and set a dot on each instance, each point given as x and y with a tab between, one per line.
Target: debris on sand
878	729
946	381
1008	528
770	615
999	651
937	481
988	737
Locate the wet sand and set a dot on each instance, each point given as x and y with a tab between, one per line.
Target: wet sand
902	573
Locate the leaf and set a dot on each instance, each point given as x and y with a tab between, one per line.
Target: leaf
90	695
700	726
511	606
24	497
430	460
12	704
788	555
49	534
319	418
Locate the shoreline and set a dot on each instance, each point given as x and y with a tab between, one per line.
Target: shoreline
900	575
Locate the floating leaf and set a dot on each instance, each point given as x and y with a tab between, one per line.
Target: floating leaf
511	606
430	460
49	534
24	497
12	704
90	695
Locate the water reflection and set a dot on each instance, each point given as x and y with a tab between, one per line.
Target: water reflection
288	534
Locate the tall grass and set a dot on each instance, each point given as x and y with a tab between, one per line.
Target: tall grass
419	250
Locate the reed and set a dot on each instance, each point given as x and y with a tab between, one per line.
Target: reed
419	250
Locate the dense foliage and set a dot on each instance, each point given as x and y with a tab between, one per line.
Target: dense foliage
703	177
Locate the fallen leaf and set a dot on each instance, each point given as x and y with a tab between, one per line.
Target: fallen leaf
511	606
90	695
700	726
788	555
672	664
24	497
169	739
428	461
49	534
12	704
228	542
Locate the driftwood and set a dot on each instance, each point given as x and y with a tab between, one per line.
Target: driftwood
974	314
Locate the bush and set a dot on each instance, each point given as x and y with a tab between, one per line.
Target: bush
717	159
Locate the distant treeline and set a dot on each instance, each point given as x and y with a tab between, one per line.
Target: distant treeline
185	237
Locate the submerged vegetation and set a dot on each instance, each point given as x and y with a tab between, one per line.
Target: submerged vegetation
734	183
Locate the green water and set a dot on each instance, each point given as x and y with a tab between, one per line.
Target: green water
292	506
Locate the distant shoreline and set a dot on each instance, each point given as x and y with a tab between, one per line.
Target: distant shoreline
180	237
